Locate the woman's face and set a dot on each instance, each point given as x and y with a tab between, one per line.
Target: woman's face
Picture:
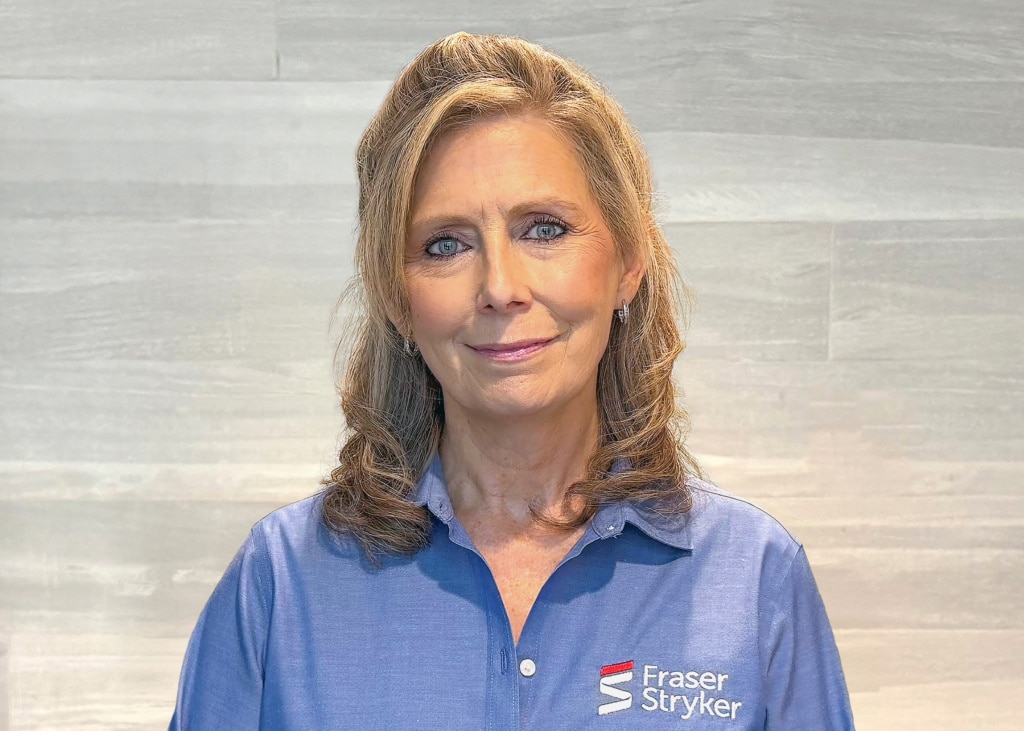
512	273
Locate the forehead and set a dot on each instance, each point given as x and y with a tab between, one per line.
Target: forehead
497	160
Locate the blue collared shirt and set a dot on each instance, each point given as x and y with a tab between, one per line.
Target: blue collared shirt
709	620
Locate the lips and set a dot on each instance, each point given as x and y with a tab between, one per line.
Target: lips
511	352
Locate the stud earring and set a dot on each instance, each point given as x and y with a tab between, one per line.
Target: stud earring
623	314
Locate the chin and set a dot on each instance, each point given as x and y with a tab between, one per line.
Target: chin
517	404
510	408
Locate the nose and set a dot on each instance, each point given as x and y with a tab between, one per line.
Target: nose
504	278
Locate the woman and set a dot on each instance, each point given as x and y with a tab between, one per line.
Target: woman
515	536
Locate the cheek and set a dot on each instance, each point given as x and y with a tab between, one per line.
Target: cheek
433	309
584	290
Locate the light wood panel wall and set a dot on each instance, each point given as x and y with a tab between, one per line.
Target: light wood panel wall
844	187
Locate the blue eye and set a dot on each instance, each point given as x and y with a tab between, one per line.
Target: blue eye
545	230
444	247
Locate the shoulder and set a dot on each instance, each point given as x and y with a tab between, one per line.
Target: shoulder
297	531
292	520
714	508
727	525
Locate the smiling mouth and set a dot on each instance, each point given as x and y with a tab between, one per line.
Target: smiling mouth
511	352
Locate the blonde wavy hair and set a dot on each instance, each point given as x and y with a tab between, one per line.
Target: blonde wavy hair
392	403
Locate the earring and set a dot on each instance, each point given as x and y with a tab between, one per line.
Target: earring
410	347
623	314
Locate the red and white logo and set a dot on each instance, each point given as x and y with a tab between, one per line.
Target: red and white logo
611	676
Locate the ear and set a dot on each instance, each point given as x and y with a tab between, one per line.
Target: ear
632	275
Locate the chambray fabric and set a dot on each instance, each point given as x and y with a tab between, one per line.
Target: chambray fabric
710	620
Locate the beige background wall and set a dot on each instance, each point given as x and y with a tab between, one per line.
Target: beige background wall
844	186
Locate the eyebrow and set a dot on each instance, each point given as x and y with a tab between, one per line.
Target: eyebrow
449	219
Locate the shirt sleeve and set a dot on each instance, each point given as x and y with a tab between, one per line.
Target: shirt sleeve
805	684
221	682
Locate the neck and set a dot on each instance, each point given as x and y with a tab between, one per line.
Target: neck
501	467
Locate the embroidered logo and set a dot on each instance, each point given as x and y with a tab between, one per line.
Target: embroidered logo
688	694
611	676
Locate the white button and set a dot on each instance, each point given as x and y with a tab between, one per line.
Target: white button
528	667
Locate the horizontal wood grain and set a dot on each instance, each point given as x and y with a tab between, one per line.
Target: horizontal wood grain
866	40
122	561
903	657
168	39
926	588
938	291
984	703
268	482
180	150
762	289
80	681
136	411
749	177
981	113
172	291
887	409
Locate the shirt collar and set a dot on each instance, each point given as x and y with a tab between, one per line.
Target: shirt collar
672	529
432	491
